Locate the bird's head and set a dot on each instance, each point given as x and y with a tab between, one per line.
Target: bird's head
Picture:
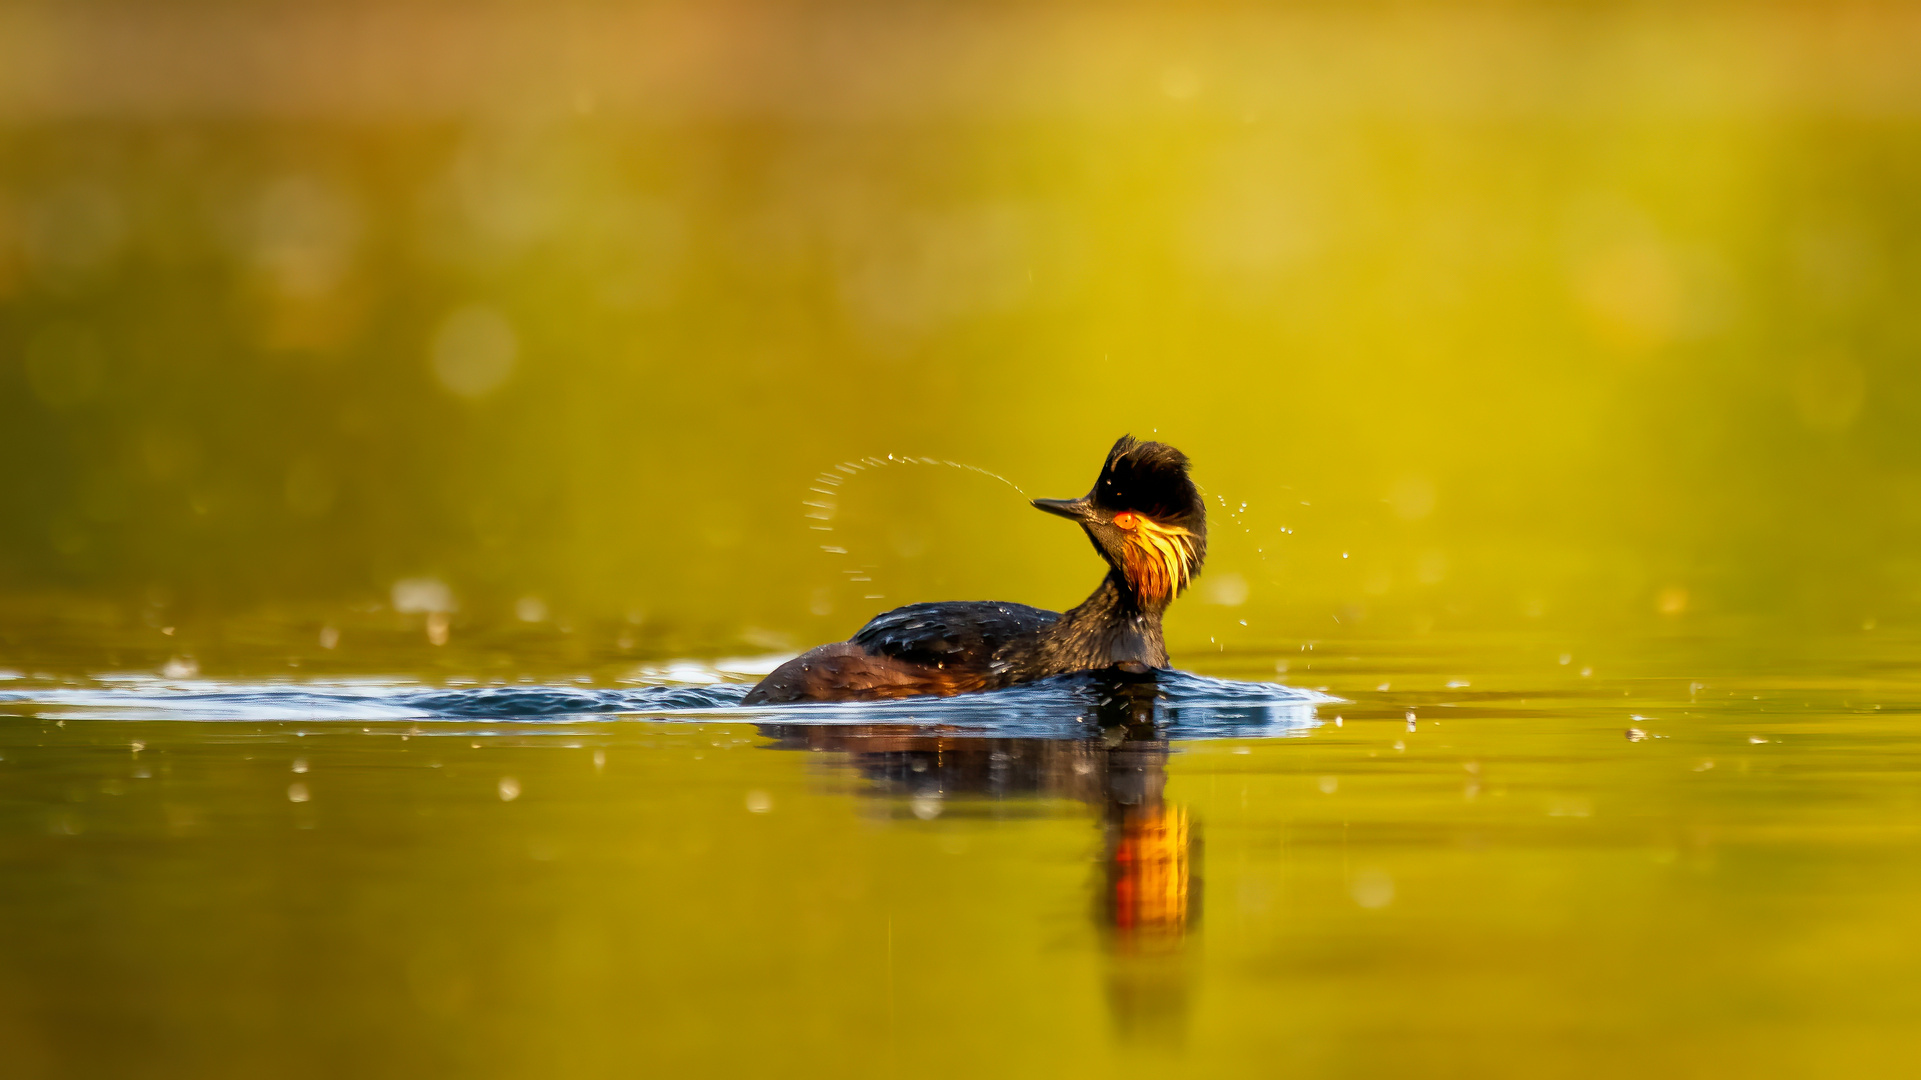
1145	517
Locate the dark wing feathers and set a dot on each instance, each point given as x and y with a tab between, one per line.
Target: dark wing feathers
966	632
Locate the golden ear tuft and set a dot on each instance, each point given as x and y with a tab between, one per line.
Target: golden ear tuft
1159	558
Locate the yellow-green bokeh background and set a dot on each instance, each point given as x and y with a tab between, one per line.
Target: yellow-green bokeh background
1545	315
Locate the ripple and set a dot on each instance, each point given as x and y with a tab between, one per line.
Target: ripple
1180	704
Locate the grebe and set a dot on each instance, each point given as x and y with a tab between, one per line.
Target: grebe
1147	521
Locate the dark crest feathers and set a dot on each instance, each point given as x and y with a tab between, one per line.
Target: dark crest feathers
1150	478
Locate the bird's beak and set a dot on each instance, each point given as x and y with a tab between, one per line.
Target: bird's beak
1072	509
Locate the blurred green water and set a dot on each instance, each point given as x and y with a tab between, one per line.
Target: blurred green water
1573	318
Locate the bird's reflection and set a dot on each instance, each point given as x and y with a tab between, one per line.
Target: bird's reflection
1148	890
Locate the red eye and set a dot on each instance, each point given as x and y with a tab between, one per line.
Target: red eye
1126	519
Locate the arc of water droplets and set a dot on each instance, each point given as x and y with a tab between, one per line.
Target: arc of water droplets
822	510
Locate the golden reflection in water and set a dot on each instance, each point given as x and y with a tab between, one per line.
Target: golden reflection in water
1147	893
1150	898
1149	874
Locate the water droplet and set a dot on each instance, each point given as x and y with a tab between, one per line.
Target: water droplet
1372	889
509	789
759	802
1329	785
300	765
297	792
412	596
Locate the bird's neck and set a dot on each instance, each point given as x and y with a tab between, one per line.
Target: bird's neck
1111	628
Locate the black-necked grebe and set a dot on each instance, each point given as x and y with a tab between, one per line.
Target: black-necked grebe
1146	519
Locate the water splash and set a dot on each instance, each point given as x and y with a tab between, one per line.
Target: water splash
827	484
1237	516
1186	706
826	489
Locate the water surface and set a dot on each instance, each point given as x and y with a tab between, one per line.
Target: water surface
1467	856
